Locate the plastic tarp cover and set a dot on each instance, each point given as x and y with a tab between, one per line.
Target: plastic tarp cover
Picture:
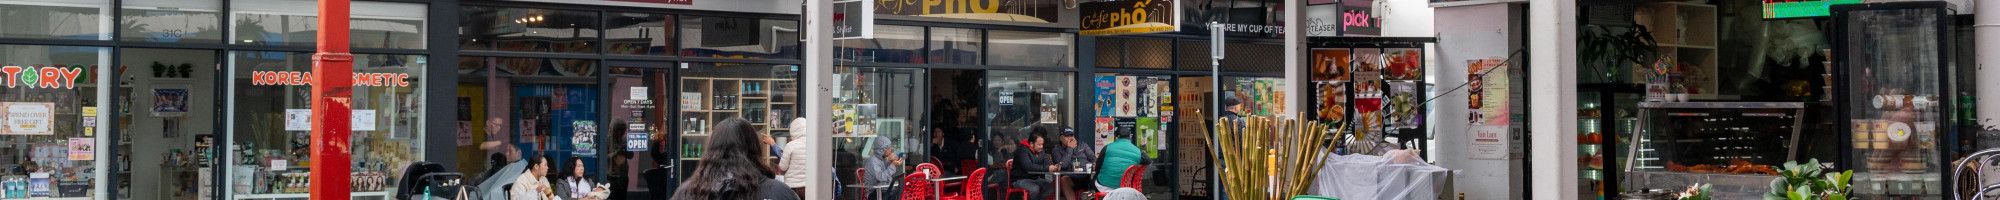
1367	177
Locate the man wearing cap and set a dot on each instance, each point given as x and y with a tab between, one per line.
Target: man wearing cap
882	167
1073	156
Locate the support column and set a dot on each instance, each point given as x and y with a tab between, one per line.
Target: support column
1552	144
819	96
1986	41
332	81
1296	64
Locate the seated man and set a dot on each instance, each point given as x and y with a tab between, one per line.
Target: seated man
1030	159
1073	156
883	168
1118	155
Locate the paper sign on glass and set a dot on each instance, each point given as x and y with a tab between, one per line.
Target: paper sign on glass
298	119
363	120
28	118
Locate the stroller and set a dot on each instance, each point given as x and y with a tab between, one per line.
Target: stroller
432	182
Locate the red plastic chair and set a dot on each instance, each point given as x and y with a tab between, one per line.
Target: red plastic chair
973	186
930	169
966	166
916	186
1010	182
1134	178
861	174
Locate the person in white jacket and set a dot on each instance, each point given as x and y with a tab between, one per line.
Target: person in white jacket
794	160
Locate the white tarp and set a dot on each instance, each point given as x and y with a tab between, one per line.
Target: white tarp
1367	177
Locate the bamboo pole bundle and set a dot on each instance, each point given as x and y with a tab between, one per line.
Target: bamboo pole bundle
1292	151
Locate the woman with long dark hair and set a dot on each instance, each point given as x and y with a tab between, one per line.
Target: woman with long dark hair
734	166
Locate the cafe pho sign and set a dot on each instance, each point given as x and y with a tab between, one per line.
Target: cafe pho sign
1123	17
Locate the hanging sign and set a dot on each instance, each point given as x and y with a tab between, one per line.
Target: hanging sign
1031	11
636	137
1357	18
1122	17
1775	9
853	19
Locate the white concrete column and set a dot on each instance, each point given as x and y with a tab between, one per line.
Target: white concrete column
1552	93
1296	87
819	97
1986	42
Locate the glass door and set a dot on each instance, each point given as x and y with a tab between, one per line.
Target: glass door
638	150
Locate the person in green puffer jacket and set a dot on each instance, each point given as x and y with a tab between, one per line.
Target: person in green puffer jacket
1117	156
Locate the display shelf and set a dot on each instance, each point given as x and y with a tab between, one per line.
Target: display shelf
306	195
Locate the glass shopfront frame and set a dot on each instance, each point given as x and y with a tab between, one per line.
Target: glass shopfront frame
1183	62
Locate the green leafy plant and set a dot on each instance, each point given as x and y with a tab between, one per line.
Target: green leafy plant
1806	182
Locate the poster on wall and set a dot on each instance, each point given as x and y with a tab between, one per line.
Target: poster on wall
1487	93
464	133
28	118
1124	17
1148	131
1330	78
170	102
1403	64
584	138
1489	142
1125	93
1107	96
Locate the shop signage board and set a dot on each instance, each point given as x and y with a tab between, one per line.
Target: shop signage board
853	19
1124	17
1030	11
674	2
1250	17
1777	9
1357	18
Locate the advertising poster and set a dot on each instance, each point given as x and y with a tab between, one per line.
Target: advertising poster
1488	93
82	149
585	138
1107	98
170	102
28	118
464	133
1126	92
1489	142
1148	133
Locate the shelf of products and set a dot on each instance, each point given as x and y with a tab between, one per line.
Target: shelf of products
707	100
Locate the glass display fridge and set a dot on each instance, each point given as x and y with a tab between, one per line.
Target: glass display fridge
1891	81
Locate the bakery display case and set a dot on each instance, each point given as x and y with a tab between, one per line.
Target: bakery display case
1733	145
1891	87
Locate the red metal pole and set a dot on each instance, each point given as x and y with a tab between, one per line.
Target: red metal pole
332	84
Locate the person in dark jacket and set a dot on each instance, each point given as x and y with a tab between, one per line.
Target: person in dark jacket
734	167
1033	158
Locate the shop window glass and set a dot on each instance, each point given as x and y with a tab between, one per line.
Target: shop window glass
166	112
55	19
892	44
191	21
1150	53
764	94
569	69
1039	49
47	114
270	136
526	104
1193	110
887	105
733	37
1016	100
639	33
1110	52
296	23
640	94
1260	96
955	46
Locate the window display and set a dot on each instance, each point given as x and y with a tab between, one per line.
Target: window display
269	154
711	92
50	130
163	107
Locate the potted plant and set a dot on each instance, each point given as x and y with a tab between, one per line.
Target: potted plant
1806	182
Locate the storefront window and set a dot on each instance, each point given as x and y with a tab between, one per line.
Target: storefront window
639	33
892	44
731	37
887	105
272	117
955	46
191	21
1018	99
528	30
55	19
167	123
51	119
764	94
1260	96
296	23
1039	49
